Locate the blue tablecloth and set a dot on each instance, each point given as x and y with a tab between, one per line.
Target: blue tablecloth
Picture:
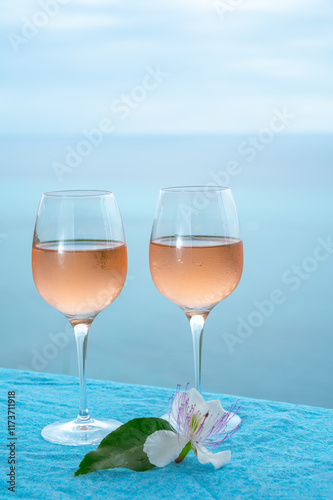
280	451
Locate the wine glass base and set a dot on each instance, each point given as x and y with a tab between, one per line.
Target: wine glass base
77	433
233	422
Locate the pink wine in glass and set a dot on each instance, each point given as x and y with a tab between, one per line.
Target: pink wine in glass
79	278
196	272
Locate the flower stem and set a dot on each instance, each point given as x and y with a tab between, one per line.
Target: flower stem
184	452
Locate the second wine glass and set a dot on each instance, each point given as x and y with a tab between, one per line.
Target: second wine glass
196	255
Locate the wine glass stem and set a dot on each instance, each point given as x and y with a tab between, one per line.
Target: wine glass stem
81	335
197	322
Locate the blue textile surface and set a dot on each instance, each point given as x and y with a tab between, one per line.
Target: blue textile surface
280	451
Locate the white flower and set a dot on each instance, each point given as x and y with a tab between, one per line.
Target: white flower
199	425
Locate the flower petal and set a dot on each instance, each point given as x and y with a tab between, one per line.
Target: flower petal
213	407
162	447
217	459
192	399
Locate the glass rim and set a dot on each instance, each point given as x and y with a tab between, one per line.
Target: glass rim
77	193
190	189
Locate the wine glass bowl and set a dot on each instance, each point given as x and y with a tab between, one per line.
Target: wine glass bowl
79	265
196	255
197	272
79	278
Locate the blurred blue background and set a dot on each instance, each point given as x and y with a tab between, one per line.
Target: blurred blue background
135	96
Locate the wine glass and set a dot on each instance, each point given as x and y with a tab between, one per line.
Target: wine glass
79	265
196	255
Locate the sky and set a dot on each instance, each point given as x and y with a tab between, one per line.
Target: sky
164	66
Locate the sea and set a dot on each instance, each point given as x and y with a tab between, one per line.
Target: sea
271	339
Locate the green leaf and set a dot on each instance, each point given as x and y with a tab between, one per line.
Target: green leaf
124	447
